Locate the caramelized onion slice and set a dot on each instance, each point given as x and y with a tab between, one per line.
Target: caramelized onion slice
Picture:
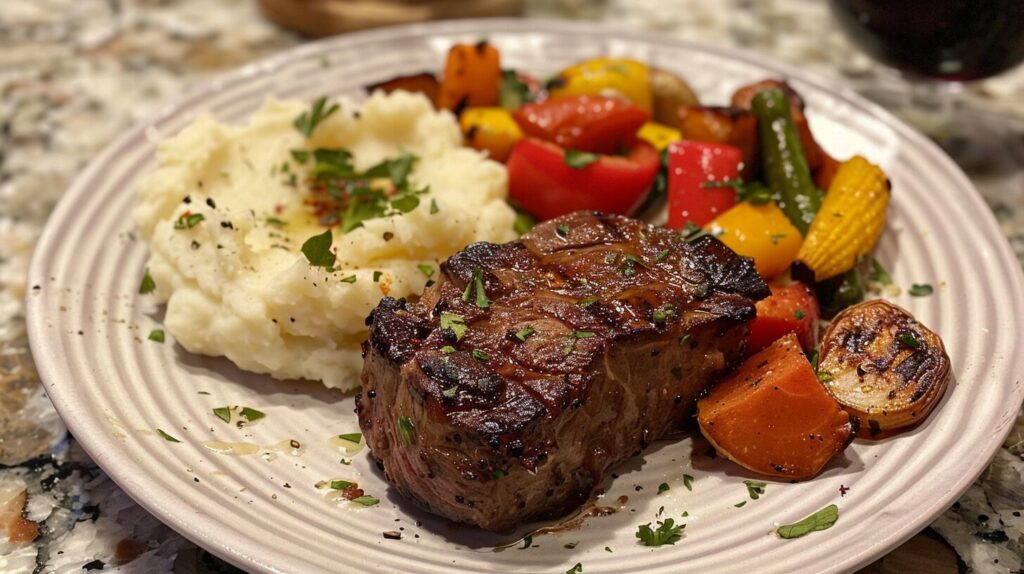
883	366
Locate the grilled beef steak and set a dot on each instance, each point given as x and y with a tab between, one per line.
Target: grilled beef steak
506	391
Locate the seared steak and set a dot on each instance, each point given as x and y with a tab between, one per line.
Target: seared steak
506	391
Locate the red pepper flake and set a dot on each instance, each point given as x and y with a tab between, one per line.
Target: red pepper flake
623	499
352	492
843	489
278	209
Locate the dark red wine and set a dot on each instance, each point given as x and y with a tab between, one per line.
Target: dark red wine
946	39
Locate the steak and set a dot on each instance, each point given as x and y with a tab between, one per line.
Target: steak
529	368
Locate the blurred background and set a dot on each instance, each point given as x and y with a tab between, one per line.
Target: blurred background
76	73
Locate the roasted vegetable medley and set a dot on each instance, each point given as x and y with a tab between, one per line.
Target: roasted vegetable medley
618	136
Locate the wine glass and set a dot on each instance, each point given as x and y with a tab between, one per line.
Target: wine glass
937	46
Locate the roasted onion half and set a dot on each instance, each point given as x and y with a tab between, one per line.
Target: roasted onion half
883	366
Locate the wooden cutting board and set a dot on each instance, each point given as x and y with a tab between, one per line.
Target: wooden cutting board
318	18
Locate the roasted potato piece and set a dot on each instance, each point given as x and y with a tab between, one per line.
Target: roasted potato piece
733	126
883	366
772	416
669	92
424	83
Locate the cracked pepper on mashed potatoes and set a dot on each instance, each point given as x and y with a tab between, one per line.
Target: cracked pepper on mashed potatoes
228	209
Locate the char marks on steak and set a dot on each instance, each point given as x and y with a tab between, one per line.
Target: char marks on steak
507	390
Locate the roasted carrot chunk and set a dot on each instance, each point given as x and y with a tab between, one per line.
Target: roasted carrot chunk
472	77
772	416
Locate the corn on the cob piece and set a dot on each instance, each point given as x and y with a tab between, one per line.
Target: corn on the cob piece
850	219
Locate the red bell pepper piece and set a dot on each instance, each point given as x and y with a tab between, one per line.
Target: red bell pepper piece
791	308
691	164
544	184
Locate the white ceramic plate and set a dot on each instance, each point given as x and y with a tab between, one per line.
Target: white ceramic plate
88	331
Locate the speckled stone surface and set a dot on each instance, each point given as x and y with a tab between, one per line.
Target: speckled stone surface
75	73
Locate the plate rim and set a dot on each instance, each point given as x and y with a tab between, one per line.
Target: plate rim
196	529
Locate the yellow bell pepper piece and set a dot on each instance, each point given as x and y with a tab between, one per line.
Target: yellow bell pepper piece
491	130
850	220
762	232
627	79
658	135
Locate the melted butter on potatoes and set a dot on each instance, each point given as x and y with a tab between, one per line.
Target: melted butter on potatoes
235	281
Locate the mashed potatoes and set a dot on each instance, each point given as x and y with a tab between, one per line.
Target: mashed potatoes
235	281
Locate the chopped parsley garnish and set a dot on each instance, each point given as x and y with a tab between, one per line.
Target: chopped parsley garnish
425	269
562	230
692	232
447	349
812	358
527	542
275	221
406	429
753	192
526	333
340	484
352	436
345	462
921	290
166	436
317	250
667	532
499	474
456	323
188	220
433	206
755	488
251	415
573	337
575	569
662	256
587	302
156	335
688	482
477	286
349	279
910	340
405	203
579	159
223	413
147	285
685	339
825	377
662	313
878	273
740	504
450	392
300	155
524	221
366	500
481	356
799	314
376	276
308	120
775	237
345	196
663	487
513	92
820	520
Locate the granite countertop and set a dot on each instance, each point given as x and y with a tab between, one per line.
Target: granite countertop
75	73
